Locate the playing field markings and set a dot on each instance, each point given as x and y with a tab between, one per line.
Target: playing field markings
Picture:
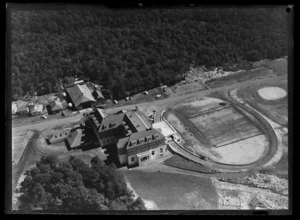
226	127
207	111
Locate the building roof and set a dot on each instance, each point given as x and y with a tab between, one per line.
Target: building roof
142	135
101	112
23	108
136	120
37	108
74	137
14	108
117	119
150	139
164	128
56	105
122	142
99	94
80	94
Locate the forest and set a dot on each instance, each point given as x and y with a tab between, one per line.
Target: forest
74	186
128	51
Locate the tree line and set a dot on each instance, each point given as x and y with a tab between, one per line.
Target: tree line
74	186
129	51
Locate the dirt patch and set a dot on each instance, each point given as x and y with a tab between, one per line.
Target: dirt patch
180	89
246	194
272	93
243	152
258	73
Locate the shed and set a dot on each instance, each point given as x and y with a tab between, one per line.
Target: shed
59	136
37	109
55	106
74	138
14	108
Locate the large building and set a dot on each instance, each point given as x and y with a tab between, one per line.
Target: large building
128	136
80	96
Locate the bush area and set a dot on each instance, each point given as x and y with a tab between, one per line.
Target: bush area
129	51
182	163
74	186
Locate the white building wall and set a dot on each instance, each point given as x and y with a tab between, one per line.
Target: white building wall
123	159
133	161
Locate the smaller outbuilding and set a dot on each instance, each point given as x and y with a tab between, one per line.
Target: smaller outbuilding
55	106
74	139
14	108
36	109
22	110
59	136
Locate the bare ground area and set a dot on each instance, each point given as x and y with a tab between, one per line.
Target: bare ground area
253	194
243	152
259	73
180	89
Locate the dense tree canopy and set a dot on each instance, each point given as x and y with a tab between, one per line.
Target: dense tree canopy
134	50
76	186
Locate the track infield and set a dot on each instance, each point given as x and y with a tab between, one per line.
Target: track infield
224	126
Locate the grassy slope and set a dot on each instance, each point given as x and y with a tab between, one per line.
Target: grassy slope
174	191
182	163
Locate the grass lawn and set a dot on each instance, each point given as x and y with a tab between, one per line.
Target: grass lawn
182	163
174	191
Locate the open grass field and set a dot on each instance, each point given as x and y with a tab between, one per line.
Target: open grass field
276	110
258	73
171	191
215	126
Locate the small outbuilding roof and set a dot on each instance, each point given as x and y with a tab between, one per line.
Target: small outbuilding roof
74	137
37	108
14	108
56	105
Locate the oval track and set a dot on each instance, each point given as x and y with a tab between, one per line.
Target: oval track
268	154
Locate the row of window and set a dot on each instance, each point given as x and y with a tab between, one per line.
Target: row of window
60	135
152	152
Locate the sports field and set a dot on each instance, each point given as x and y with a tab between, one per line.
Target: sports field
274	108
224	126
